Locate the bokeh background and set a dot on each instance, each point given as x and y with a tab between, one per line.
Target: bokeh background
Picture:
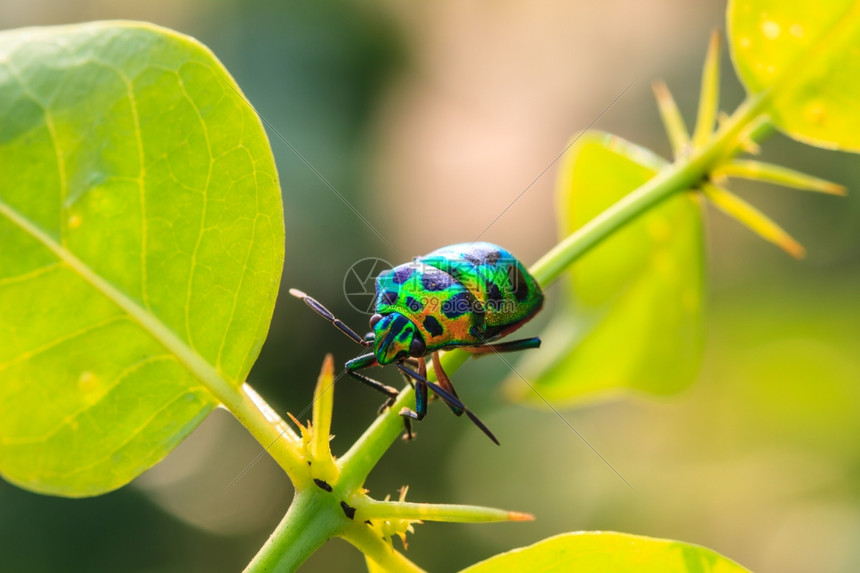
431	118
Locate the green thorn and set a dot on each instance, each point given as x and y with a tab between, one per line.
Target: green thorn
372	509
320	446
709	99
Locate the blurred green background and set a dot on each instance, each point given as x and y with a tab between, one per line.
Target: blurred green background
431	119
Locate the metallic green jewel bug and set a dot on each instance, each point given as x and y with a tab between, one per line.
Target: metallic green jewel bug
465	296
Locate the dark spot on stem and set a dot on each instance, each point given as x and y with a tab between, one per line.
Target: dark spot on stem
348	510
322	485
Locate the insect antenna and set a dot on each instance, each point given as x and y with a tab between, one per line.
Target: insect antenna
327	314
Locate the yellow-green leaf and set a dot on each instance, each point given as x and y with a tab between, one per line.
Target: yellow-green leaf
634	311
608	552
142	244
804	54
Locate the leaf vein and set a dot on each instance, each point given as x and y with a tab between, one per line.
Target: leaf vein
132	435
236	292
203	213
141	186
8	281
59	340
68	419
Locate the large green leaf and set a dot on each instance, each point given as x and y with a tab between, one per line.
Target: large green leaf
634	315
805	54
607	552
141	245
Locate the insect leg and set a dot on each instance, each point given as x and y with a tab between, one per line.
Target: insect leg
420	397
448	399
376	385
511	346
326	314
367	361
420	403
445	382
420	390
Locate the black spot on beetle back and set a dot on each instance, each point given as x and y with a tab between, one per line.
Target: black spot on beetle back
387	297
457	305
402	275
494	295
436	280
473	258
518	283
432	326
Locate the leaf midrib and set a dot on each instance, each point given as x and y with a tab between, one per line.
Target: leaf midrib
199	367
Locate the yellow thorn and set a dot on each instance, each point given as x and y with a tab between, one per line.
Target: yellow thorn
673	122
709	98
754	219
296	422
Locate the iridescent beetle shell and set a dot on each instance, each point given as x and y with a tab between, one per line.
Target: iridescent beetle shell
461	295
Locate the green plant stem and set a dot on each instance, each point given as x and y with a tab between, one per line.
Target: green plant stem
308	524
368	542
684	174
366	452
269	429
